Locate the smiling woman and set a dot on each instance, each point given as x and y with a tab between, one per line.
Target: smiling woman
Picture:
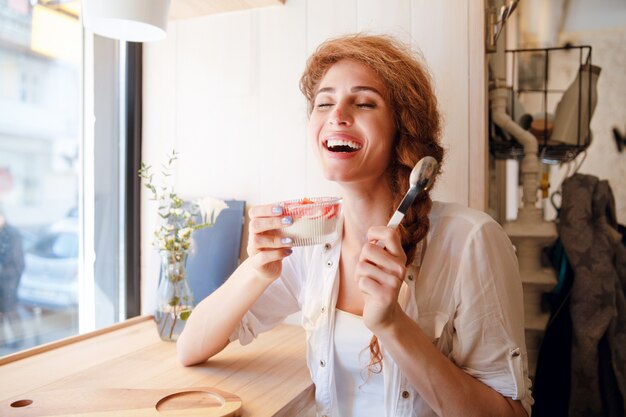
350	108
417	321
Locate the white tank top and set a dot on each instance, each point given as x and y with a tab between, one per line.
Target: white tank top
357	395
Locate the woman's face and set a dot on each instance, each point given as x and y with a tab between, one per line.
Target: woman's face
352	125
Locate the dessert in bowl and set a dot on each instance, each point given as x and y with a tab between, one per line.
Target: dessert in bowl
315	220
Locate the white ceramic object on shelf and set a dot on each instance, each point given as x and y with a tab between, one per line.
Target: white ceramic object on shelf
574	111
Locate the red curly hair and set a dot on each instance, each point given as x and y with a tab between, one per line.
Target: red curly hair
417	119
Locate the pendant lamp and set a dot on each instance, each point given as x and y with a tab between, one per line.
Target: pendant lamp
127	20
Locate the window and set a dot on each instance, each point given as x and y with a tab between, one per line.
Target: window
67	219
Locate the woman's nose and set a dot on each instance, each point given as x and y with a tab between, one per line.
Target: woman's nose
340	116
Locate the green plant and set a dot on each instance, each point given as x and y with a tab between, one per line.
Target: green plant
179	218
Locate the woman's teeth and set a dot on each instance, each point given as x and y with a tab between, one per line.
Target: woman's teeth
338	145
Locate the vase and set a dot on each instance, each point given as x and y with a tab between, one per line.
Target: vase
174	297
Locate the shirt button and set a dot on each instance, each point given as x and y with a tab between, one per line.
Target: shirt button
322	363
405	394
323	310
327	246
410	277
329	264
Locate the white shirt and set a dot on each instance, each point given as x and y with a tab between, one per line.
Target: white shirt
467	299
358	393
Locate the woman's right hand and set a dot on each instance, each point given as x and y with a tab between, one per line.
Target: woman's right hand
266	249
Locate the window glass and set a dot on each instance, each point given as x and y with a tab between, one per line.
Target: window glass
40	133
65	246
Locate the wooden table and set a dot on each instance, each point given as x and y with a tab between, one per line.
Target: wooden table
269	375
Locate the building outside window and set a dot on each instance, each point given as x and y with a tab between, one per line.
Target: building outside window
61	207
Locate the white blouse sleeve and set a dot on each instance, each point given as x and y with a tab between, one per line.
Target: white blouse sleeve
489	339
279	300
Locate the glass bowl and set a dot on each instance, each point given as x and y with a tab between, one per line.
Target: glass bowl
315	220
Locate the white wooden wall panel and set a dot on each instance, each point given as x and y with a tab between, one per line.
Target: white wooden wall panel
282	110
390	16
159	95
159	132
327	19
439	29
217	106
478	153
223	90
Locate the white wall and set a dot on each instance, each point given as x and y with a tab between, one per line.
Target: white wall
223	91
584	15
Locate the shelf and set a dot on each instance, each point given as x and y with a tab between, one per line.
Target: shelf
548	153
536	91
183	9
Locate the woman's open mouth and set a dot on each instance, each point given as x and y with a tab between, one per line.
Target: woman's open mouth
342	146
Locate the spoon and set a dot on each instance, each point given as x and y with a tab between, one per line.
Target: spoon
421	178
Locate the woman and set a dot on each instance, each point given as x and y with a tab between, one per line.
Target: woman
430	325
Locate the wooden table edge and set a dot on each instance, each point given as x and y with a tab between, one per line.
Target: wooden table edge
13	357
300	405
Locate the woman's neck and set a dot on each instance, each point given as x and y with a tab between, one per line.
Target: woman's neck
363	208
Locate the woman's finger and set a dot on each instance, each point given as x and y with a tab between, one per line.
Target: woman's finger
264	224
264	241
267	217
270	241
389	263
268	263
390	237
373	272
265	210
268	256
369	286
374	293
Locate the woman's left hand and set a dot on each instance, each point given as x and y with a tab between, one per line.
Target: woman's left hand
379	274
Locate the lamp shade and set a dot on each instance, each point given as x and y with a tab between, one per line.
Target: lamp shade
127	20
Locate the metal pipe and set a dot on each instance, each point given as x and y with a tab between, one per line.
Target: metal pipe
530	163
497	98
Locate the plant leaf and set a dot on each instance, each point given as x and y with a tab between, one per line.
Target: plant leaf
184	315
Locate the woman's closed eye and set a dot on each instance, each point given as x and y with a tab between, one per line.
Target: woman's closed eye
326	103
359	105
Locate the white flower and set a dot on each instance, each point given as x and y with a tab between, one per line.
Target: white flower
176	211
178	218
210	208
184	233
